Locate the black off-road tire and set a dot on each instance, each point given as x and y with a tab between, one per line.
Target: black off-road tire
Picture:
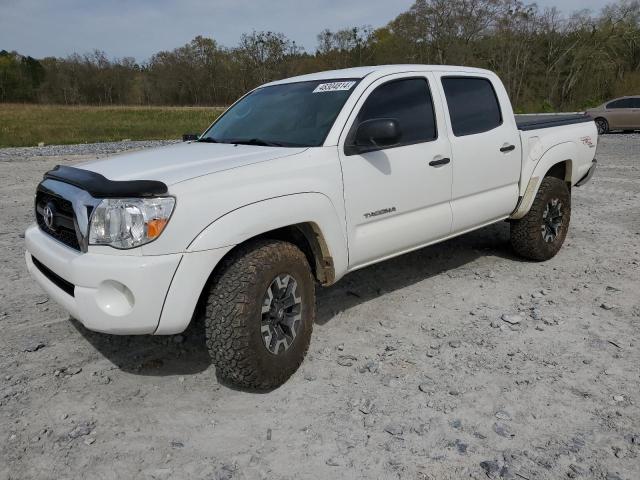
526	234
233	314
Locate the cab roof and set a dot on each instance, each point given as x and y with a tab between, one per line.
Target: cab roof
377	70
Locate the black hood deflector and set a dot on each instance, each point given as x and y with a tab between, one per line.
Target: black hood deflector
99	186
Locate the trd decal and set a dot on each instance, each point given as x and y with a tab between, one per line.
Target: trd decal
587	141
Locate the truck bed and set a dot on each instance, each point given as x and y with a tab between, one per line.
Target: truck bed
534	122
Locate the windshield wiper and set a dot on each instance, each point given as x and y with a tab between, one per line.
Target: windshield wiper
255	141
207	140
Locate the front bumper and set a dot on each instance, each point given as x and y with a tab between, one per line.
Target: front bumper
121	294
588	175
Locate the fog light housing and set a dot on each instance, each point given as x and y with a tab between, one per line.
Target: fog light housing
114	298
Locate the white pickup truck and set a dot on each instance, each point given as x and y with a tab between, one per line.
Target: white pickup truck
299	182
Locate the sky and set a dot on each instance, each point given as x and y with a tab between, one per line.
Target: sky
139	28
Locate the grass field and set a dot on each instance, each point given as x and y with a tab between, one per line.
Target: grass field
26	125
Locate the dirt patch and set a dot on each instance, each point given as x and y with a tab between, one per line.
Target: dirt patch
463	362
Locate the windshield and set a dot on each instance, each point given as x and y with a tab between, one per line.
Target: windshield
289	115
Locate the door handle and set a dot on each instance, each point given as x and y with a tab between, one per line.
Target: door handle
441	161
508	148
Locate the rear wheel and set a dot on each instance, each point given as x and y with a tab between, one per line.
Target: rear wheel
260	314
539	235
603	126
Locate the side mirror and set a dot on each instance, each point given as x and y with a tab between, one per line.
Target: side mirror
188	137
375	134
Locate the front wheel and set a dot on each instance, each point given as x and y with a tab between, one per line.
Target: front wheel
260	314
541	232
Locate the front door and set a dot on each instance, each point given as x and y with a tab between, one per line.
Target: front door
397	198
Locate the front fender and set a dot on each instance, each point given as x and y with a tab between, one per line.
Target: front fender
257	218
214	242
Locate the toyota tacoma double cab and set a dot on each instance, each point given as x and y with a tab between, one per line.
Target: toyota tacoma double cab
298	183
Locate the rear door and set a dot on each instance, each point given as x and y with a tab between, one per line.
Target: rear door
394	199
485	146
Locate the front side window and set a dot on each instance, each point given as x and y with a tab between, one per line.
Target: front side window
473	105
409	102
622	103
288	115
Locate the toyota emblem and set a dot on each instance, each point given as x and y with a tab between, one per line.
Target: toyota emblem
47	216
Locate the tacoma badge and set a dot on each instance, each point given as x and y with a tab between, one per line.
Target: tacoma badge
384	211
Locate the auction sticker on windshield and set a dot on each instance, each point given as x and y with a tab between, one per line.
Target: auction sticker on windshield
333	87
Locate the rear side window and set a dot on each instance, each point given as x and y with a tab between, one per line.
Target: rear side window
409	102
473	105
622	103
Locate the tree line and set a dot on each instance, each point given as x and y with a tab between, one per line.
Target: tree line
547	60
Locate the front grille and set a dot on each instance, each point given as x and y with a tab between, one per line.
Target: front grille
63	227
63	284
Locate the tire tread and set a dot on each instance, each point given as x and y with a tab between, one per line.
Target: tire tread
525	232
229	308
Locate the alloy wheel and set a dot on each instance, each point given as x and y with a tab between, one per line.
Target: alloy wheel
602	126
551	220
281	314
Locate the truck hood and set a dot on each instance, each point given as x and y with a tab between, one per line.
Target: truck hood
176	163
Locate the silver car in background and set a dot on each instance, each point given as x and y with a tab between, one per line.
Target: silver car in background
619	114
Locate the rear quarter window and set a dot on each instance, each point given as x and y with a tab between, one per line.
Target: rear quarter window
473	105
622	103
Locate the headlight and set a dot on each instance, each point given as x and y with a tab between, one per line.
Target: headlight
129	222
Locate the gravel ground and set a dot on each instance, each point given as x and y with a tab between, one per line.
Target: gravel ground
92	149
456	361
